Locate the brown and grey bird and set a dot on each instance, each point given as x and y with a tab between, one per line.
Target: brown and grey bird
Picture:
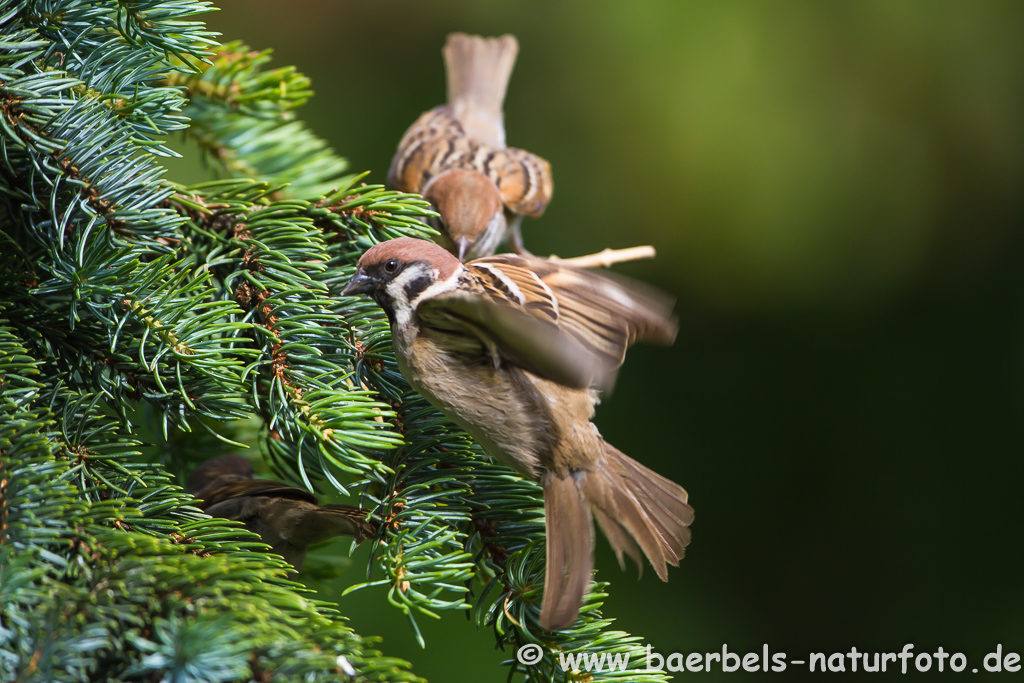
513	350
455	155
288	519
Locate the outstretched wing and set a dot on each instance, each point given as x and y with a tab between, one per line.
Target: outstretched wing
478	325
606	314
569	325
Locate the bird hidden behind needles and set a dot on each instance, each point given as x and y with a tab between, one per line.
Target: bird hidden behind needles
455	154
513	349
288	519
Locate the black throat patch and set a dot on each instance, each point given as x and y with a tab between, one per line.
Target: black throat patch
384	301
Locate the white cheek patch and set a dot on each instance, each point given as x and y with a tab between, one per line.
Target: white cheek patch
398	303
398	289
439	286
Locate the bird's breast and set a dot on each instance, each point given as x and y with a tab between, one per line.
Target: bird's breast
520	419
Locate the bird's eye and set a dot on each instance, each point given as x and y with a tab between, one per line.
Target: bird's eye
391	266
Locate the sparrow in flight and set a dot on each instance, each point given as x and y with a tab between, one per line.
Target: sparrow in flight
455	154
513	350
288	519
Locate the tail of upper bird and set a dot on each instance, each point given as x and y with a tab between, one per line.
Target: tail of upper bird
478	73
638	510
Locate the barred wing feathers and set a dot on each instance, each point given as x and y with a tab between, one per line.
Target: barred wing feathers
438	142
569	325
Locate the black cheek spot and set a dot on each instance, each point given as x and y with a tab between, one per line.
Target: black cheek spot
415	287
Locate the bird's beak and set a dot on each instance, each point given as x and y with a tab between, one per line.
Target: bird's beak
462	247
361	283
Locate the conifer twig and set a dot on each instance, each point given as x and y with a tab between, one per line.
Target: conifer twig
218	306
607	257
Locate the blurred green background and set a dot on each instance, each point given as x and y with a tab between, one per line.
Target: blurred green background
836	192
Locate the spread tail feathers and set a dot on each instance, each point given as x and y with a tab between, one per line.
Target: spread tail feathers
478	72
638	510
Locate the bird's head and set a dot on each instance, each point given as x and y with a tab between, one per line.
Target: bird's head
472	213
396	273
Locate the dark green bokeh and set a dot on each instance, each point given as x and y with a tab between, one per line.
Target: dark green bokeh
835	193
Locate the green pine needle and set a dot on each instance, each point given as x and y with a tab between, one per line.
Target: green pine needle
214	312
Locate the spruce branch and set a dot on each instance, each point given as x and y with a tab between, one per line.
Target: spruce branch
118	55
270	258
112	309
85	596
206	306
242	120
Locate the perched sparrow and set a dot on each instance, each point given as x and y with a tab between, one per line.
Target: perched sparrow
512	349
455	154
288	519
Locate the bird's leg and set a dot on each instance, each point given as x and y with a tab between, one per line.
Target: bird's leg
515	237
462	247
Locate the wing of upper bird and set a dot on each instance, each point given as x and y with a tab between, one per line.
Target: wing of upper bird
437	142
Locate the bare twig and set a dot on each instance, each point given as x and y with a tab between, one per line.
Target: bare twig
607	257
